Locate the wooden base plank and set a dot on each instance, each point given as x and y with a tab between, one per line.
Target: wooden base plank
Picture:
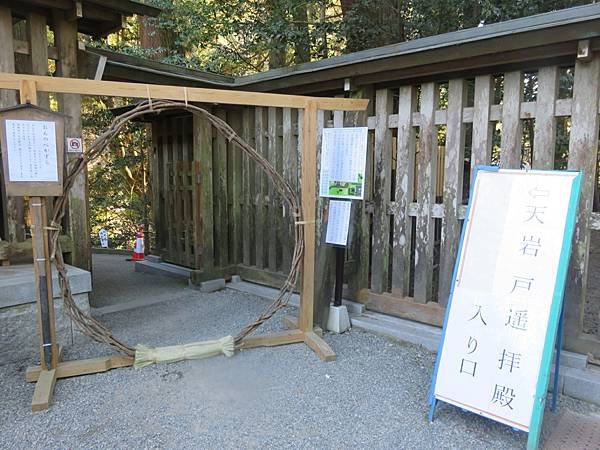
44	389
274	339
319	346
291	323
82	367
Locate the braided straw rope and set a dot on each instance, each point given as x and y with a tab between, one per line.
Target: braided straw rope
93	328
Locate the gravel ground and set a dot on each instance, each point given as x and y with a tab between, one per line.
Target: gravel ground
374	395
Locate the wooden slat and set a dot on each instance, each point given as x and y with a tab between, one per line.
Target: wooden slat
248	190
273	339
319	346
360	222
273	215
290	174
481	148
583	143
222	96
220	195
544	141
82	367
10	223
453	185
309	193
381	191
260	191
234	175
405	170
44	389
178	254
38	38
204	209
427	171
512	127
156	186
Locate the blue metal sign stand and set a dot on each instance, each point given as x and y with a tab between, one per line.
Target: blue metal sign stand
554	331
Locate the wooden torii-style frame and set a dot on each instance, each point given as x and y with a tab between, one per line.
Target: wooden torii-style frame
304	330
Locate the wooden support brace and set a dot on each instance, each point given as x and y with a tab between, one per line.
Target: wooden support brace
274	339
319	346
81	367
44	389
291	323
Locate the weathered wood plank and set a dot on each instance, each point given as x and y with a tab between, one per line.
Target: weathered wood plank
220	194
272	231
360	244
381	191
154	158
65	37
260	190
427	171
583	142
234	161
177	205
453	186
430	313
38	54
404	191
481	148
544	141
290	174
512	126
248	191
203	211
187	242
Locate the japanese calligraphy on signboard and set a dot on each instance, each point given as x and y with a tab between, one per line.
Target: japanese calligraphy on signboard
32	151
505	293
343	161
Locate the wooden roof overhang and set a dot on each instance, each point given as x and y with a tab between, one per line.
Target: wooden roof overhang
550	38
94	17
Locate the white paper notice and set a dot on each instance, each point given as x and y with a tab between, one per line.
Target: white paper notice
343	161
338	222
31	148
505	281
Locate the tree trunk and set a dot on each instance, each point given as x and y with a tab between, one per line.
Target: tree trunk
302	41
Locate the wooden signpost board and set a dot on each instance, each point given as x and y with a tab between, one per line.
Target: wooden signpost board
502	317
32	142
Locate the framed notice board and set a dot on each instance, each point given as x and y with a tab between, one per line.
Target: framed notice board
506	297
32	141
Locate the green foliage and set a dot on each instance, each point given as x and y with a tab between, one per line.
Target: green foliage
118	179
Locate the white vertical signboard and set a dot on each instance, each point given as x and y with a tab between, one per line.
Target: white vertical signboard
338	222
507	279
31	148
343	161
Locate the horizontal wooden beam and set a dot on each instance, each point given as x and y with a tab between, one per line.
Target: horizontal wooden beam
430	313
82	367
22	48
273	339
178	93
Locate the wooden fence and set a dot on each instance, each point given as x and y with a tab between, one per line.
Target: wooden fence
424	140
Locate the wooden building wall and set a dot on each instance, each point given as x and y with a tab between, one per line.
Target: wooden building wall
25	49
424	140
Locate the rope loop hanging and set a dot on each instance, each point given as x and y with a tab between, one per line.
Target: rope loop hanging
92	327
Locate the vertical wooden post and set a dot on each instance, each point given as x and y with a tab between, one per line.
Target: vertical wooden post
512	126
583	148
65	33
309	192
43	286
8	98
544	136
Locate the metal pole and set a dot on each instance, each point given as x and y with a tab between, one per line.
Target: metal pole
340	253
